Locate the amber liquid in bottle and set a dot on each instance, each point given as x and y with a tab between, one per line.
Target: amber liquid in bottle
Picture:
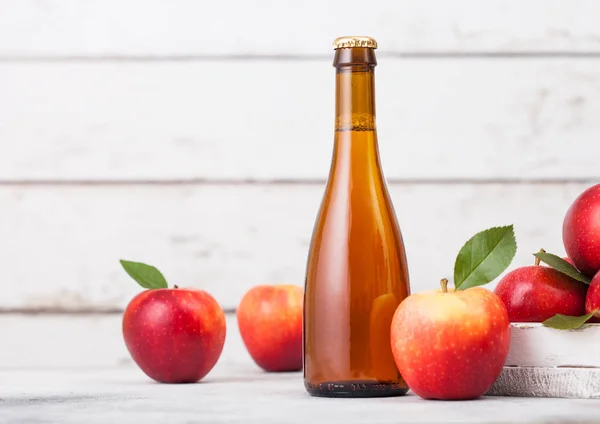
357	273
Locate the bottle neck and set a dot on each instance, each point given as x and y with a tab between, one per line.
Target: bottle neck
355	89
355	99
356	153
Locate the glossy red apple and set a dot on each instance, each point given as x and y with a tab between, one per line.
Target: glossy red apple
270	322
592	300
535	293
581	231
175	335
450	345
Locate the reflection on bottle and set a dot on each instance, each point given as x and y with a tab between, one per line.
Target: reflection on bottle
382	360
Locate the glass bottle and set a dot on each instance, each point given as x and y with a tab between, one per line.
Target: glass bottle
357	273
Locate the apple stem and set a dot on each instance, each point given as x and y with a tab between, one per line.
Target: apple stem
537	260
175	286
444	284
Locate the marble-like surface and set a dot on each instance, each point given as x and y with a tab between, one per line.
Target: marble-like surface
244	394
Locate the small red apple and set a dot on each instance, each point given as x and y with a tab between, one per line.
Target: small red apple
270	323
450	345
175	335
592	300
535	293
581	231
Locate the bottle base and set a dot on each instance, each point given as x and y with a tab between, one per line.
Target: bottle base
355	389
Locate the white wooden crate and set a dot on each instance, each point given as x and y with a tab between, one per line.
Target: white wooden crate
544	362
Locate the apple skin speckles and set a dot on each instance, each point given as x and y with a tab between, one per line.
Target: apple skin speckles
581	231
592	300
174	335
450	346
535	293
269	318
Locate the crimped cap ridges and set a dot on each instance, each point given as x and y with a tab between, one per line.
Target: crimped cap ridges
354	41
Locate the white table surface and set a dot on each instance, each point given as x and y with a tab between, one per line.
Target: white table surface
47	377
243	394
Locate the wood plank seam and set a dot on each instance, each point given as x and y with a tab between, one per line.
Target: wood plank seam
558	54
289	182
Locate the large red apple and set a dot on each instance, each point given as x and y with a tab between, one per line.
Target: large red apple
535	293
270	323
592	300
174	335
581	231
450	345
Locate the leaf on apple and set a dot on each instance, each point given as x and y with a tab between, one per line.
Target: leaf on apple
484	257
147	276
563	266
567	322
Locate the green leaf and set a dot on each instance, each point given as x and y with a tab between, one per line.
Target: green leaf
567	322
484	257
147	276
563	266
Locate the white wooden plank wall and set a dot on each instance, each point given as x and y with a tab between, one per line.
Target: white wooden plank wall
266	119
197	135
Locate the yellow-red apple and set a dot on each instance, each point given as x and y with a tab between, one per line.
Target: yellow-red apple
270	322
450	344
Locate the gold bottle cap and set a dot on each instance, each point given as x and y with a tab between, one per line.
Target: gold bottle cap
354	41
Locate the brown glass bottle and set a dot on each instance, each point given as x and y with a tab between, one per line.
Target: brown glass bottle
356	273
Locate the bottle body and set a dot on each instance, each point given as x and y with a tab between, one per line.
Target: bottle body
356	272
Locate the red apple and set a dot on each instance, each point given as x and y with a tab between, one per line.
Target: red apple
450	345
592	300
535	293
581	231
270	323
174	335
